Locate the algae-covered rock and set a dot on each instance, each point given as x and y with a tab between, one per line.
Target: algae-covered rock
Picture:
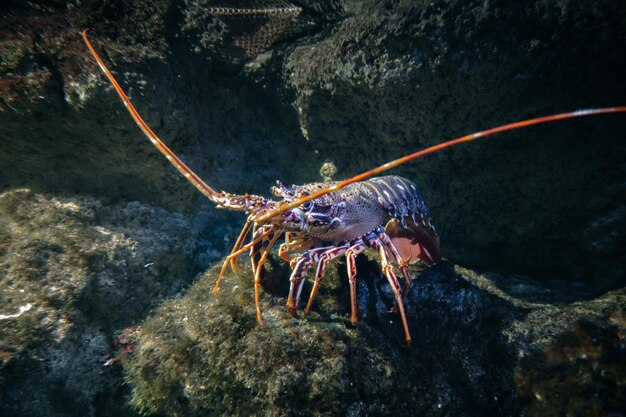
581	372
205	354
73	272
345	86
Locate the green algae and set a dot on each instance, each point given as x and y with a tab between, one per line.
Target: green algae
72	272
206	354
43	265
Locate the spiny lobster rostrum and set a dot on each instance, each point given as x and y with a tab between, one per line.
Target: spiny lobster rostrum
321	221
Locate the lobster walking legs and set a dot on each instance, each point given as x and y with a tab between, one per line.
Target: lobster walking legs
378	240
308	258
321	269
393	283
351	264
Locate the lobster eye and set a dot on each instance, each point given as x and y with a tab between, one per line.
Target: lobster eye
307	205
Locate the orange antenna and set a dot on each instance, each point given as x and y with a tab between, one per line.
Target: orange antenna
158	143
439	147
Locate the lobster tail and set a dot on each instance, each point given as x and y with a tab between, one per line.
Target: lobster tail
415	241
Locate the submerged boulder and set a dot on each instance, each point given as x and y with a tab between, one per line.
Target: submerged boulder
73	272
205	354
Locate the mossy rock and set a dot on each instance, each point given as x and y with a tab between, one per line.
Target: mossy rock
205	354
73	271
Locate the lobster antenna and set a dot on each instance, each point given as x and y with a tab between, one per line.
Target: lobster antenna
439	147
158	143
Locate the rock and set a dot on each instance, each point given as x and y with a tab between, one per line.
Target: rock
474	337
346	84
74	272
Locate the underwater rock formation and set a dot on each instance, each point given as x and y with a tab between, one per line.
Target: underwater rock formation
73	272
483	345
332	89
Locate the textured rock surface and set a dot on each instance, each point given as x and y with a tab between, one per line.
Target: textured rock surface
348	84
72	273
483	345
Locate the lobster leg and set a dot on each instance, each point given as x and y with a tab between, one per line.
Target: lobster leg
299	269
258	254
294	244
236	252
257	276
255	250
283	250
240	239
387	269
325	257
351	265
302	264
404	267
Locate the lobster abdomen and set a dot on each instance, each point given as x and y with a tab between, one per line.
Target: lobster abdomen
410	225
361	207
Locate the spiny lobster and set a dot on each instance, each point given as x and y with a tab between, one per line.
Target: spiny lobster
324	220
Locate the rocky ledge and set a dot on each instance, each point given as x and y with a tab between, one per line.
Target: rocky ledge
484	344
